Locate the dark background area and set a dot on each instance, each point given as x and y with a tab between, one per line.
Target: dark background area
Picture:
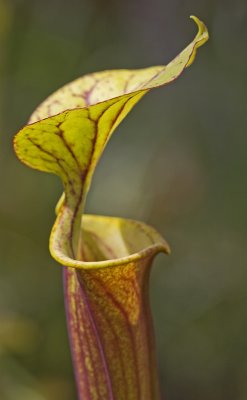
177	162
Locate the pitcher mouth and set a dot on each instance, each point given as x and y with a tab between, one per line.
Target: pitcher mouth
112	241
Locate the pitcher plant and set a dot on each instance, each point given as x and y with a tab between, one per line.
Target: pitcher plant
106	261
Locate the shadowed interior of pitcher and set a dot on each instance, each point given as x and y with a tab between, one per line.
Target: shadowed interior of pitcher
106	241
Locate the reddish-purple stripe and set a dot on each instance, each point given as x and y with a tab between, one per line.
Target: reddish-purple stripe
125	315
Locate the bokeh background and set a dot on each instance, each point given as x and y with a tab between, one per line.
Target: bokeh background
177	162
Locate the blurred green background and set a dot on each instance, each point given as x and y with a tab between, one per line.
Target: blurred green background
177	162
